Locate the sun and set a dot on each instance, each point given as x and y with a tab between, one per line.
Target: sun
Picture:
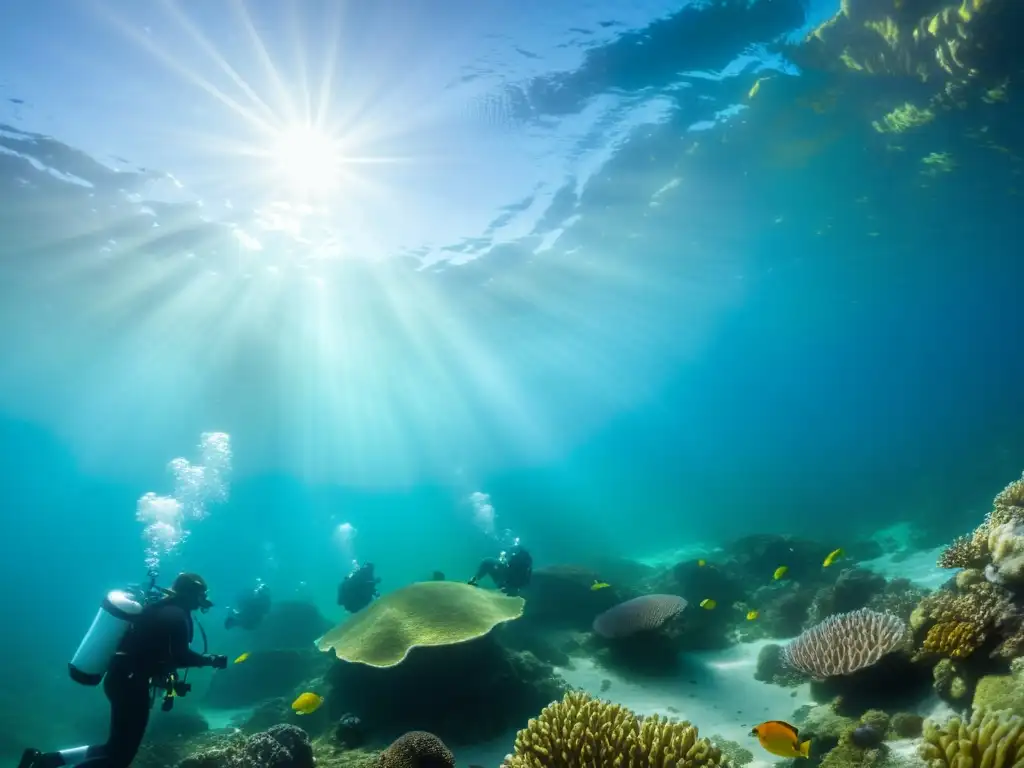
307	159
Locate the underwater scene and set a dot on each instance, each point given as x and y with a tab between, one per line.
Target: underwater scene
434	383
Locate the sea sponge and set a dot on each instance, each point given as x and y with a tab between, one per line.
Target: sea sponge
989	740
647	612
422	614
845	643
416	749
582	731
953	639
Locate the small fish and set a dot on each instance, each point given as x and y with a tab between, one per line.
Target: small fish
599	585
307	703
701	563
755	88
781	738
834	555
780	572
751	615
242	658
708	604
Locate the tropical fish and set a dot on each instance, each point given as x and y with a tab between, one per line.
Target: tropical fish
751	615
756	87
307	703
242	658
834	555
781	738
780	572
701	563
708	604
599	585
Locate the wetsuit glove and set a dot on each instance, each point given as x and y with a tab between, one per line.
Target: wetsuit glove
217	662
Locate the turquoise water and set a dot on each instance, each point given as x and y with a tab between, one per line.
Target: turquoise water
547	271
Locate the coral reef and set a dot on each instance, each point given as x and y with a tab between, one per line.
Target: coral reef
949	680
428	613
417	749
282	746
995	545
581	731
845	643
988	739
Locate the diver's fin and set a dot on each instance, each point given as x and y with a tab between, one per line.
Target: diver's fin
29	758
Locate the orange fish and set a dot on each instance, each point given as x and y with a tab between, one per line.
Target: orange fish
781	738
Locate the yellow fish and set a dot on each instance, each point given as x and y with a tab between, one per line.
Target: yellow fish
751	615
779	573
834	555
307	704
701	563
242	658
781	739
708	604
756	87
599	585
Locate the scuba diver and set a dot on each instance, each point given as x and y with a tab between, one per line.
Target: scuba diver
510	571
150	646
253	606
357	590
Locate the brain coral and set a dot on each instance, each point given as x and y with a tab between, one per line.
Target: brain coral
845	643
423	614
416	749
581	731
646	612
989	740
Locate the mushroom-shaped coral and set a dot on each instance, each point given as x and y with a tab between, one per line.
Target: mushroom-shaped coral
416	749
845	643
428	613
992	739
582	731
641	614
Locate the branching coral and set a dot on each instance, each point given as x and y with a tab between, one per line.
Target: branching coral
977	550
582	731
989	740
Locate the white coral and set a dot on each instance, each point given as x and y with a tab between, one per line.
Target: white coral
845	643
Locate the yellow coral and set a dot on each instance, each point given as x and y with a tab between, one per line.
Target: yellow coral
990	739
955	639
423	614
582	731
1011	496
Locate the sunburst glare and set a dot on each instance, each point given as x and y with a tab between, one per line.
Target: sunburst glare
307	160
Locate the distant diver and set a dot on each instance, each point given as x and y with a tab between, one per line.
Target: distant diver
357	590
253	606
135	646
510	571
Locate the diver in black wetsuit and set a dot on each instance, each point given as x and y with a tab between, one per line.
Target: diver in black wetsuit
152	651
252	607
357	590
509	571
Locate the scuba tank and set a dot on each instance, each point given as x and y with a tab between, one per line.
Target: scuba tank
117	612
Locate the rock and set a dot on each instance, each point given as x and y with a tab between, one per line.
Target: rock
282	746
